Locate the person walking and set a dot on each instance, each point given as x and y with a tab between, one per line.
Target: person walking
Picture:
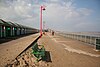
52	33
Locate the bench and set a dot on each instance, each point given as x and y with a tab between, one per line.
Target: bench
38	51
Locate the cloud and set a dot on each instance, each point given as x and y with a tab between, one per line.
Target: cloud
66	17
85	11
19	9
59	14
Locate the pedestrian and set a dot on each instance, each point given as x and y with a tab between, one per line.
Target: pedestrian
52	33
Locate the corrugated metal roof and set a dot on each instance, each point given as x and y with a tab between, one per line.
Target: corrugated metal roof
4	23
8	23
1	22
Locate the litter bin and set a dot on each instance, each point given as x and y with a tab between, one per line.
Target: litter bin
97	44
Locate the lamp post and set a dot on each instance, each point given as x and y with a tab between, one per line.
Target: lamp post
41	8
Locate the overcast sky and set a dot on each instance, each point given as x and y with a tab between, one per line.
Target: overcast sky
61	15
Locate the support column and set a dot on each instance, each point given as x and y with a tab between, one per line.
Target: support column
4	31
1	31
13	31
25	31
17	31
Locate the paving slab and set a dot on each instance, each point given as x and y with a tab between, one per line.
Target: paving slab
9	50
66	52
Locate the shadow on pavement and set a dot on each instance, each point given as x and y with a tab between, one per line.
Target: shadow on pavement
7	39
47	57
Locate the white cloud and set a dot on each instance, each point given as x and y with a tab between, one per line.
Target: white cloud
59	14
54	0
18	9
85	11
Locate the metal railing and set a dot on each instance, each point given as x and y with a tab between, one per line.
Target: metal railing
81	37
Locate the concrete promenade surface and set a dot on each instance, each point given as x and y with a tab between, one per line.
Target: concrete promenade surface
9	50
63	52
66	52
